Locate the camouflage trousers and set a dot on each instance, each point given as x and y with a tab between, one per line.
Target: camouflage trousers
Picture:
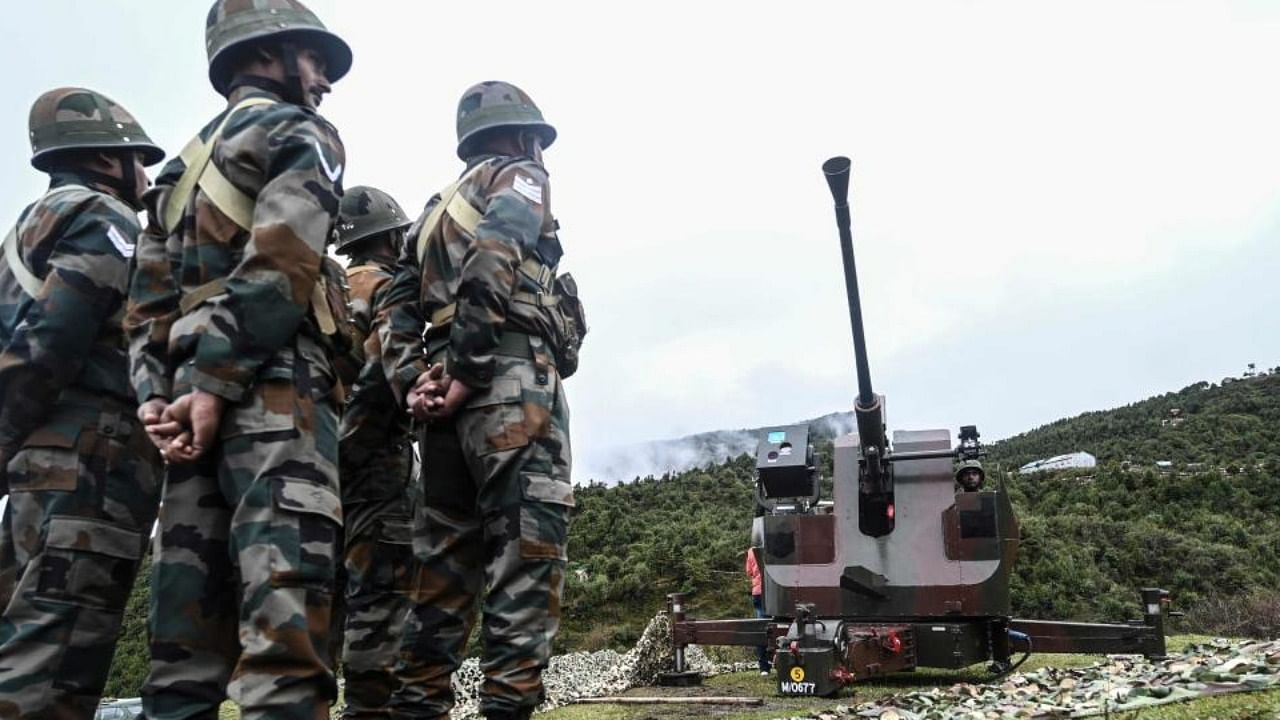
244	560
496	498
379	569
83	494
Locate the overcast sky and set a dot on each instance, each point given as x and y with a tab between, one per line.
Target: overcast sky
1057	208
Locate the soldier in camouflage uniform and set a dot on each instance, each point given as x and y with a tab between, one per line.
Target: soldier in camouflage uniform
376	464
233	337
479	269
83	481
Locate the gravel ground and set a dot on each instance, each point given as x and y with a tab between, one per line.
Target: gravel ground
1117	684
597	674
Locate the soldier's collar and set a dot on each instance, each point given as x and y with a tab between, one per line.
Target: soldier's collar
87	179
475	160
501	160
248	91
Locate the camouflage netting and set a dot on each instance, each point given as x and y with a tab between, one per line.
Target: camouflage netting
596	674
1116	684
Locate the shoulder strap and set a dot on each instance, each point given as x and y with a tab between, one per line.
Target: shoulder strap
319	301
360	270
200	172
456	206
30	283
28	280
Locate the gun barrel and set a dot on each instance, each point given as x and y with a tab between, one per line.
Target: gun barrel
837	173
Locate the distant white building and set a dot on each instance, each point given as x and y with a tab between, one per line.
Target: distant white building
1061	462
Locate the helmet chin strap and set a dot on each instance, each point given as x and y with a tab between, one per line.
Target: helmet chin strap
294	91
275	87
129	180
126	186
530	145
291	90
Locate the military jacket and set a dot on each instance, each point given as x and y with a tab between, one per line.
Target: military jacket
290	161
371	417
68	338
479	273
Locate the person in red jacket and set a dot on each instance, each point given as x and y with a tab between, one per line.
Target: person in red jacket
757	601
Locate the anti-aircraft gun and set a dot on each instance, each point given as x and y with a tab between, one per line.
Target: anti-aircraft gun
908	567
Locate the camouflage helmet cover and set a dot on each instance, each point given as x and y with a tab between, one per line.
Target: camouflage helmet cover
495	104
80	119
233	23
367	211
970	474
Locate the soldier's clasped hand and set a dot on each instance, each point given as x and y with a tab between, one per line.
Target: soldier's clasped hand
435	395
160	431
427	392
199	414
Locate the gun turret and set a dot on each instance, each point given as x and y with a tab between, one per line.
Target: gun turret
875	474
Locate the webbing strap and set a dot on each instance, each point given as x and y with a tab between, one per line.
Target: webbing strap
227	197
541	275
319	301
28	280
197	154
531	268
30	283
360	270
444	315
462	212
320	307
194	299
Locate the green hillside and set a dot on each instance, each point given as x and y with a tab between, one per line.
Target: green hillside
1235	422
1209	533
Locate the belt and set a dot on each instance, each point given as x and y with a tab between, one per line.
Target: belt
514	344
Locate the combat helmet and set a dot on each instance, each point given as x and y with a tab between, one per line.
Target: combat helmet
234	23
364	212
79	119
970	475
495	104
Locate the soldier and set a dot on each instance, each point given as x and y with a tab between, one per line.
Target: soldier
82	478
479	267
376	464
233	338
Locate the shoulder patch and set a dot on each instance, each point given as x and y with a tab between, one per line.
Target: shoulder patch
118	239
331	172
529	188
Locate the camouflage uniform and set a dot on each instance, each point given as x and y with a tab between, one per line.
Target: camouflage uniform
225	301
494	513
376	464
82	476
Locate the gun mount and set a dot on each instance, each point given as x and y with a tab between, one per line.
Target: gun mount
908	566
